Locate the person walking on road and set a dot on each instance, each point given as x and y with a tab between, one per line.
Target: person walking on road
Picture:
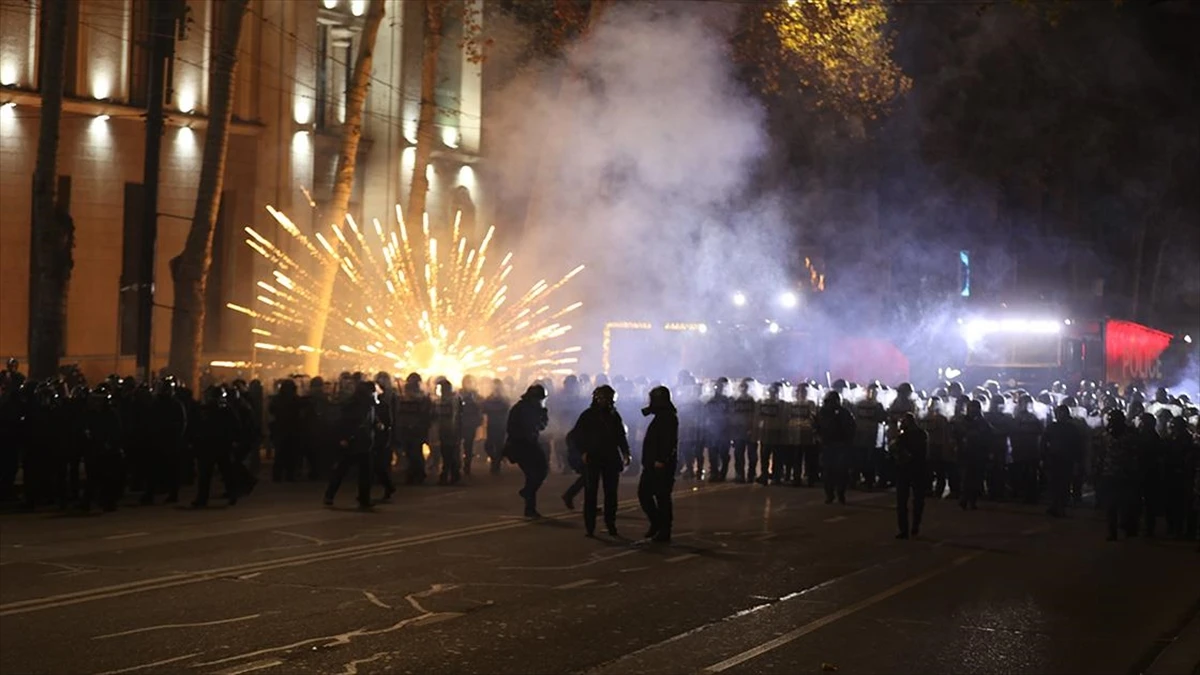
659	462
526	420
910	452
605	452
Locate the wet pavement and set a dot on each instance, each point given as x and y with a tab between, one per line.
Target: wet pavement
452	580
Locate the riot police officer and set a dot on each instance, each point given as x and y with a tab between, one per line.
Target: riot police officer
526	421
217	442
604	447
472	419
835	427
447	412
414	415
771	432
495	409
1026	438
356	439
741	429
910	451
717	412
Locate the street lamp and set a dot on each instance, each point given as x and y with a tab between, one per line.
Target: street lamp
739	299
789	299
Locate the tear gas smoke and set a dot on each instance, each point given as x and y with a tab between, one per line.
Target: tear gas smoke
653	144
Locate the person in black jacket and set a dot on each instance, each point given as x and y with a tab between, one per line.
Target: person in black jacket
659	461
974	438
910	453
605	451
835	428
526	420
1062	449
356	438
218	434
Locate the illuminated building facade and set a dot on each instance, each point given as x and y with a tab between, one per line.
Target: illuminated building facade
296	57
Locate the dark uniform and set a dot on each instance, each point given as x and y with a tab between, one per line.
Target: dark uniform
974	440
600	433
997	453
1062	450
835	427
659	459
1179	450
741	429
414	415
910	451
802	436
218	434
447	413
716	417
526	421
356	438
472	419
1150	474
691	434
869	415
495	409
1116	470
287	433
941	451
169	423
771	427
1026	438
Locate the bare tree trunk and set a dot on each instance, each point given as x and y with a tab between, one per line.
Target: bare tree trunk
52	235
432	36
189	269
343	185
546	170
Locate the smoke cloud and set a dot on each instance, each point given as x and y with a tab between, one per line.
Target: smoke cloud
653	145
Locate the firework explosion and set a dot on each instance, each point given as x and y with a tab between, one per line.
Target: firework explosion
408	303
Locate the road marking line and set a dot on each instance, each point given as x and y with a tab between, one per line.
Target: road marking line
244	577
167	626
681	558
766	536
360	550
304	537
596	560
836	519
574	584
800	632
374	600
144	666
129	535
250	667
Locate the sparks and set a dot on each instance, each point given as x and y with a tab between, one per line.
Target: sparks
407	303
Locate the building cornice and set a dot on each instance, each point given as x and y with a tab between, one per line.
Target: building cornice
95	108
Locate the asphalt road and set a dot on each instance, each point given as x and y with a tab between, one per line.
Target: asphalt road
452	580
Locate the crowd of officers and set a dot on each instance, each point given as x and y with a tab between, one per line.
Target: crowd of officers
85	446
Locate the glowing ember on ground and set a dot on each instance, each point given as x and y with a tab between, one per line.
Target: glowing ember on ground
408	302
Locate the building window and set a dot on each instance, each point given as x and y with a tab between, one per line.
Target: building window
131	248
335	70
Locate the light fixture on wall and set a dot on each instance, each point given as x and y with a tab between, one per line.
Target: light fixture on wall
8	73
187	100
101	86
